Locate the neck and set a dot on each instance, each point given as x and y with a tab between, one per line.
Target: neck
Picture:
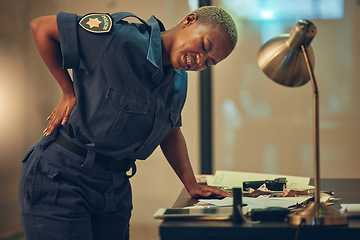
165	47
167	38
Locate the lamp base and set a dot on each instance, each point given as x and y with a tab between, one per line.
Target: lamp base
318	214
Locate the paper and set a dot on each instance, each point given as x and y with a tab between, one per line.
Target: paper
264	202
233	179
218	202
259	202
352	210
351	207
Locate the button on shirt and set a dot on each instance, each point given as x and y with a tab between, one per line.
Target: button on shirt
127	102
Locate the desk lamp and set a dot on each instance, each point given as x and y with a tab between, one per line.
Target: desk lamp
288	59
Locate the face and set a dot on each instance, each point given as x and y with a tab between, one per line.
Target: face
198	46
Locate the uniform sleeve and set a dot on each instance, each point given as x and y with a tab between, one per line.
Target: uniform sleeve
179	122
67	29
181	81
80	48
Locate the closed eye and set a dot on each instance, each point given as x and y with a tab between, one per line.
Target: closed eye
203	46
204	49
209	61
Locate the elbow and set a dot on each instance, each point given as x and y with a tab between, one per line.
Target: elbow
35	25
44	26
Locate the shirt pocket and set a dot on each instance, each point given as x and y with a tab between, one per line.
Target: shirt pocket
115	113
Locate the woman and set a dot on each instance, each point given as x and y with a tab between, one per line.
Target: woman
125	99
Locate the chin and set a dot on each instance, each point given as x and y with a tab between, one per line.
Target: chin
178	66
175	61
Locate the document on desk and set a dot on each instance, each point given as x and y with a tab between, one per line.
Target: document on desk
351	209
233	179
253	203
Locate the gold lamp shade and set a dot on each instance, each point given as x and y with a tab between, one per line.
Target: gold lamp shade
282	59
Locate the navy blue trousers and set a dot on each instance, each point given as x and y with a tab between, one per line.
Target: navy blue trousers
65	196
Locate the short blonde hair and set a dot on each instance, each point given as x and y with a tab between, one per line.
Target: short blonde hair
220	18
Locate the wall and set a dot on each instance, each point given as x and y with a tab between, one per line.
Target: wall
261	126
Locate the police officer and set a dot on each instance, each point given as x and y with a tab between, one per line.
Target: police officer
125	98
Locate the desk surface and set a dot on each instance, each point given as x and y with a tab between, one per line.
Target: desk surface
191	230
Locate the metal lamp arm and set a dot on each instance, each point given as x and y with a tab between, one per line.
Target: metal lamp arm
316	125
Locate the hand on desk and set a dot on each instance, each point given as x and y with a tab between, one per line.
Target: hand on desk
205	191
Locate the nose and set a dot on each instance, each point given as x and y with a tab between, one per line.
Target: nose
201	58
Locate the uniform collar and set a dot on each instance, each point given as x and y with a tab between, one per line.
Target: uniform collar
154	54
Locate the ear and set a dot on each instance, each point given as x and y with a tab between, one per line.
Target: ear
189	19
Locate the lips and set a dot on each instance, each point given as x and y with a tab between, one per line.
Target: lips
189	61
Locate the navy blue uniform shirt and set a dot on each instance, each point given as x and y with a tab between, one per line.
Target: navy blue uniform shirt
127	102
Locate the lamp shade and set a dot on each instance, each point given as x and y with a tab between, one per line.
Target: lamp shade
281	58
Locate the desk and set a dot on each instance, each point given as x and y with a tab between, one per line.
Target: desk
227	230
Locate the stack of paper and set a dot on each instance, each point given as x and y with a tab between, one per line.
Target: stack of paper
233	179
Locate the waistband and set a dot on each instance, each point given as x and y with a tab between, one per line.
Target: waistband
122	165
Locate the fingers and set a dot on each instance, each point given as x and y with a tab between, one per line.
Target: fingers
208	190
55	119
66	117
50	127
65	120
49	117
48	130
61	114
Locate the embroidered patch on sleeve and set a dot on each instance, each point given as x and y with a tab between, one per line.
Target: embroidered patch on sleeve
96	22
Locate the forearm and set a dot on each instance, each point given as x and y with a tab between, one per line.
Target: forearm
175	151
46	37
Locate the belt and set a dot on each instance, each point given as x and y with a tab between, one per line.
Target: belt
108	162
